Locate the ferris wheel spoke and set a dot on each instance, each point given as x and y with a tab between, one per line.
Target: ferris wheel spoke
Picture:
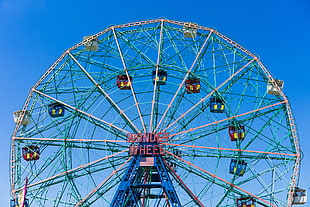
221	180
258	176
127	74
210	130
72	170
106	95
82	112
183	185
233	150
156	85
69	140
138	52
83	173
87	144
183	81
40	191
211	181
98	187
216	119
226	119
207	96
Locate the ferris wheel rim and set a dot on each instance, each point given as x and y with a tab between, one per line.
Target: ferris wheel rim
255	59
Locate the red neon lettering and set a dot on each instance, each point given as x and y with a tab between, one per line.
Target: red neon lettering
133	150
146	150
148	137
130	137
142	149
149	149
161	151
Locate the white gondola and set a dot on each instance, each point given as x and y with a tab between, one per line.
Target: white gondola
25	120
300	196
189	31
273	90
91	45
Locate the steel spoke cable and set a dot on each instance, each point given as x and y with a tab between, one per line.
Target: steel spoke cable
183	185
207	96
106	95
220	179
82	112
102	183
183	81
226	119
72	170
69	140
155	89
132	88
227	149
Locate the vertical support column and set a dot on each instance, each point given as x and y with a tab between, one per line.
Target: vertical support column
167	183
132	184
122	195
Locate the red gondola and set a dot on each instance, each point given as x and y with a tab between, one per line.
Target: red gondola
192	85
31	152
236	133
245	202
123	82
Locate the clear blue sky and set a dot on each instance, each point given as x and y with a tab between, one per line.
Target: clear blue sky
34	33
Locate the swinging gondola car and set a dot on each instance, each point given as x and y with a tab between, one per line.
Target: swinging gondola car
161	77
192	85
236	133
15	203
31	152
273	90
246	202
299	196
123	82
91	45
216	105
189	31
26	119
237	167
56	110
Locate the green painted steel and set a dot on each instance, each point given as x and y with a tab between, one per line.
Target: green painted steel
84	154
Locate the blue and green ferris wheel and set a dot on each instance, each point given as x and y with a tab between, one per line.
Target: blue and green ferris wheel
155	113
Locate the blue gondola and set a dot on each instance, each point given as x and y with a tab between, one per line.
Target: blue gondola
161	77
56	110
14	203
216	105
237	167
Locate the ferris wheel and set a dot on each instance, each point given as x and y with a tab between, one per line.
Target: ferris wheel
156	113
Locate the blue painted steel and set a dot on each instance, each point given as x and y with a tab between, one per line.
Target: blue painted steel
130	188
216	105
237	167
56	110
14	203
